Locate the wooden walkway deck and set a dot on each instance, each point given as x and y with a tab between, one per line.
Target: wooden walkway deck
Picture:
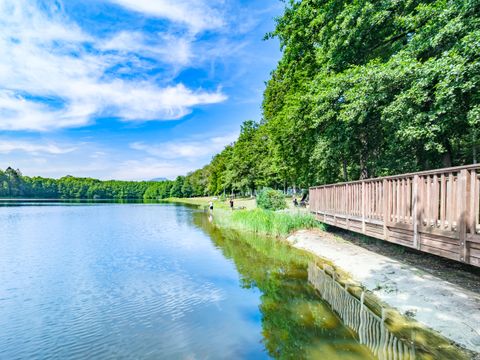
433	211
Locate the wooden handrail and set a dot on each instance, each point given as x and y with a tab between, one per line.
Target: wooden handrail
425	172
436	211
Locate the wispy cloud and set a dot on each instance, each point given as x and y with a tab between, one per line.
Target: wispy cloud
197	15
8	146
185	149
165	47
51	78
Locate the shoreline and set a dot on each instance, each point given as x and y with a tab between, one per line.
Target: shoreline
439	305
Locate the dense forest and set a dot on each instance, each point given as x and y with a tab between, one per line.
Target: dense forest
363	89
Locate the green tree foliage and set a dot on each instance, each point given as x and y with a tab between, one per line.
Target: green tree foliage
363	89
370	88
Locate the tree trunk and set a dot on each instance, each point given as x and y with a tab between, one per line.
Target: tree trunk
474	147
363	168
345	174
363	157
447	159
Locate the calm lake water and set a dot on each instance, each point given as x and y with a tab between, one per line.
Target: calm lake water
151	281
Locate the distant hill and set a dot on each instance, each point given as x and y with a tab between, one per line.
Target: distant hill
159	179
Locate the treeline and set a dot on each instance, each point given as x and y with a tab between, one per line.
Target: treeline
363	89
14	185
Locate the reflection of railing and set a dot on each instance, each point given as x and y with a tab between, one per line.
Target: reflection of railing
371	329
433	211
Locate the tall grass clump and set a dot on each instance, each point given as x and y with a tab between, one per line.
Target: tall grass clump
267	222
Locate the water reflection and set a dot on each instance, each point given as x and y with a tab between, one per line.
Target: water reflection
371	329
296	323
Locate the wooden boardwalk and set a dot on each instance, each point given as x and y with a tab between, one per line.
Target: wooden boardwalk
433	211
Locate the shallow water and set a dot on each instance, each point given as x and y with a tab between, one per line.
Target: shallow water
154	281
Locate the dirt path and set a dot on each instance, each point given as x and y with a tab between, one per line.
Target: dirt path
450	309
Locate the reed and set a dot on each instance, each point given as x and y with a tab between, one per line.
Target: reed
273	223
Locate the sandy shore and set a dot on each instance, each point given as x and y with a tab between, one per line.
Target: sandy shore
449	309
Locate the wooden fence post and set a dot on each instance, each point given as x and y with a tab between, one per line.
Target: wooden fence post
347	205
416	212
363	207
462	213
472	219
385	207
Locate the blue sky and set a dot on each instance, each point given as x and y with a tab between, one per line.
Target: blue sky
129	89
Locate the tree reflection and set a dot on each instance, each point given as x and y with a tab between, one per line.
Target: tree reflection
296	323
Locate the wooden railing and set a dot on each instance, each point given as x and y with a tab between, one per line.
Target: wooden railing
433	211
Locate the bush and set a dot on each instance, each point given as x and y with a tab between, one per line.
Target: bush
270	199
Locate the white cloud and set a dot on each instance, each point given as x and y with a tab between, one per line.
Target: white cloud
197	15
44	58
169	48
185	149
8	146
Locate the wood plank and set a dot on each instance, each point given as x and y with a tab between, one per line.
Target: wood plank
443	188
390	201
475	246
436	237
402	236
416	210
409	200
401	241
428	210
363	206
475	252
463	214
472	222
435	201
477	203
440	252
385	207
441	245
450	203
435	231
473	239
400	202
397	201
422	203
402	231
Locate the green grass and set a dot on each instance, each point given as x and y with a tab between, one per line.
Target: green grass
274	223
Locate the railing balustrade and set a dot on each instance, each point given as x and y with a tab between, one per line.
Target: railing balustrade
434	211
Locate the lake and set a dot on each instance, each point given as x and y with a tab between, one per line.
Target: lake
150	281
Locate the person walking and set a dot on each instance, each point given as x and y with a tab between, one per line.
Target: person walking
231	203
